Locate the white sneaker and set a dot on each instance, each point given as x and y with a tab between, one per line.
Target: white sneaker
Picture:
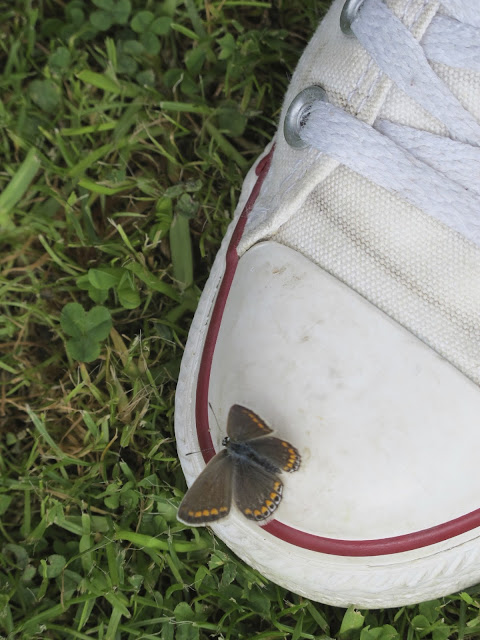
343	309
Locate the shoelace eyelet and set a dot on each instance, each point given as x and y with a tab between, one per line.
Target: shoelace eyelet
297	114
348	15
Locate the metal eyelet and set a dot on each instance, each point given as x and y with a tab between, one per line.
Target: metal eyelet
297	114
348	15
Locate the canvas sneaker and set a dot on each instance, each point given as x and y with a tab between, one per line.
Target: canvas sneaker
344	309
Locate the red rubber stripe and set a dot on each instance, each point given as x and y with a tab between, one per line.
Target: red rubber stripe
203	381
379	547
331	546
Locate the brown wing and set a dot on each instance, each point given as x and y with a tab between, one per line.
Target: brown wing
210	496
280	453
243	424
256	491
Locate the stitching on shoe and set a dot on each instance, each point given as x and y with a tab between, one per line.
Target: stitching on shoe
373	86
356	88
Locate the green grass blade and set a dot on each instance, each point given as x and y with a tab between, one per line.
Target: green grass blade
18	185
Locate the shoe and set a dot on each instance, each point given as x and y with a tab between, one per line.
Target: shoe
343	313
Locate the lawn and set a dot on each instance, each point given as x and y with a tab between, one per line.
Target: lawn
127	127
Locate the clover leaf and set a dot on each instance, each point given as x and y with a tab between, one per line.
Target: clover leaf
86	329
109	13
98	282
54	565
149	27
45	94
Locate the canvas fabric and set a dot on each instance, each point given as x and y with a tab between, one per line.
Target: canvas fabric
421	273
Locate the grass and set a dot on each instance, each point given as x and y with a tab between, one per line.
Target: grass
126	129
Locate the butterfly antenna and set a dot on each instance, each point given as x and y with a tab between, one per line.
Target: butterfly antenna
200	451
208	448
211	408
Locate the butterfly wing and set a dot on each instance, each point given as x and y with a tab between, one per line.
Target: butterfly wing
243	424
257	492
279	453
210	496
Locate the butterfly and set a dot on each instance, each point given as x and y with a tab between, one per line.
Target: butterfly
246	470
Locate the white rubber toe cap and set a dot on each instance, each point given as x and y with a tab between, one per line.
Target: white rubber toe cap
387	429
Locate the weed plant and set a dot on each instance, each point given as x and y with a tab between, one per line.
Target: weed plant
126	128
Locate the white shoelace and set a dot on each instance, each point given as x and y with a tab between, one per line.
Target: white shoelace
439	175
